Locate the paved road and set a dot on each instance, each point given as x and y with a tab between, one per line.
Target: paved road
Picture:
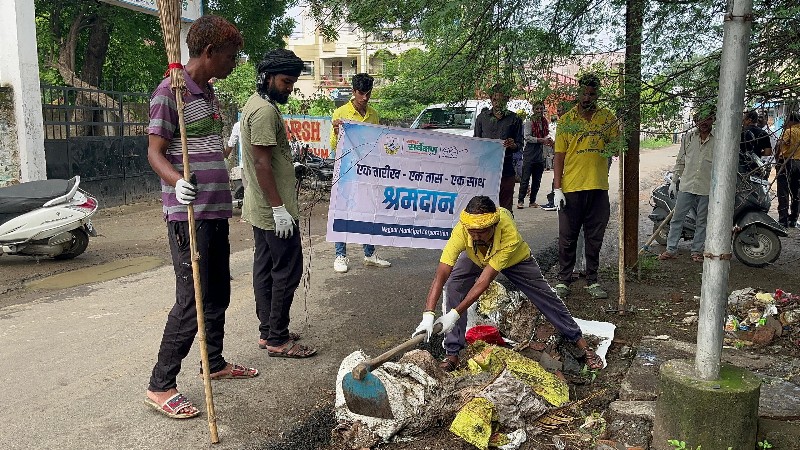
76	361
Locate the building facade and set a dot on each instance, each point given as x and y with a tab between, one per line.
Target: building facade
330	65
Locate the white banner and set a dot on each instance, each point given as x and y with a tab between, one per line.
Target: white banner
312	130
405	188
191	10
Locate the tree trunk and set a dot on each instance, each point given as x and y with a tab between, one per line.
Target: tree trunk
96	50
92	73
633	91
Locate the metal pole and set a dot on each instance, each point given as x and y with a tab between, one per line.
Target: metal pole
716	265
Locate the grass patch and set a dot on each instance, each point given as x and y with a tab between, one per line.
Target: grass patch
652	143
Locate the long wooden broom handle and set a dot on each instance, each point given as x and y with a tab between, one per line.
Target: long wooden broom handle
198	288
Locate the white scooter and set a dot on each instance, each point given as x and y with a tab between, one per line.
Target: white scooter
46	218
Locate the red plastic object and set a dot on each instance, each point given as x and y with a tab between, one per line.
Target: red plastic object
485	333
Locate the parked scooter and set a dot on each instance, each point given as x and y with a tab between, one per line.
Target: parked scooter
756	234
46	218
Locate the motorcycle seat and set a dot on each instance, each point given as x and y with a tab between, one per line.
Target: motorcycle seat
25	197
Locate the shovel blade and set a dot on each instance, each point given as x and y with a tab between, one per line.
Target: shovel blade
367	397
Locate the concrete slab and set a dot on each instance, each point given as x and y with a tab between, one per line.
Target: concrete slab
779	399
784	435
641	381
631	422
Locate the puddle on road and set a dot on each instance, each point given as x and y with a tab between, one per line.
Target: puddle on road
94	274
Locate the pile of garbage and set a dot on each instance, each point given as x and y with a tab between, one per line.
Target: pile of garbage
499	398
756	317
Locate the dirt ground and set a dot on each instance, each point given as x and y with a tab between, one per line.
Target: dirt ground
661	296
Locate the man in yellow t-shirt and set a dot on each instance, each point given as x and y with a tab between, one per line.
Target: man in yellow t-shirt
484	243
357	109
788	150
580	182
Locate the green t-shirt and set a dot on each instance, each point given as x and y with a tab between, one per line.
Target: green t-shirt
262	124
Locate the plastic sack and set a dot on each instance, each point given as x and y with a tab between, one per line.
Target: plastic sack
473	423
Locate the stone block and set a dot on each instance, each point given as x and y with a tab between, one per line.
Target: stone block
631	422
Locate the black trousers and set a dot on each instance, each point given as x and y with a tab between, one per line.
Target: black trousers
788	191
507	192
277	269
214	249
527	277
531	172
590	210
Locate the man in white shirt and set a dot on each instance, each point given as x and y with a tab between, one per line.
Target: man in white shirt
693	172
233	140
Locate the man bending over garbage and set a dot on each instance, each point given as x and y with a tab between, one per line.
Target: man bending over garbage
484	243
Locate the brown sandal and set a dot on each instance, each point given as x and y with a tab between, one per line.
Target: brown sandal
592	360
697	257
291	349
668	255
449	363
292	337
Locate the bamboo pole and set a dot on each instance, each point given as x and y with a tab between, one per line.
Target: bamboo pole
621	264
169	12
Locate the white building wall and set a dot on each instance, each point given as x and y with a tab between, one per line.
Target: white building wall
19	69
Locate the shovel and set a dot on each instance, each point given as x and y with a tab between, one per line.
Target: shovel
364	393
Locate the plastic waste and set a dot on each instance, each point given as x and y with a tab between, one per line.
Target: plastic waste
473	423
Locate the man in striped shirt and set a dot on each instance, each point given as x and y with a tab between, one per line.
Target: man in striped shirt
214	45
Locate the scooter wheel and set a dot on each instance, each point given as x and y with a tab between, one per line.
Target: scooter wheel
764	249
80	240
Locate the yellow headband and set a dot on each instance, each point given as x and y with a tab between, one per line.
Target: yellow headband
479	221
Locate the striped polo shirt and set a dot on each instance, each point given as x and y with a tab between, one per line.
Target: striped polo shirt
204	142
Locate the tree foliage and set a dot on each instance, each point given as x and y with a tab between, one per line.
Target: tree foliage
477	42
133	56
262	22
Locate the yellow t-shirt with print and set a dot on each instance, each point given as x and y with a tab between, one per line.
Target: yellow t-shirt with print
348	112
507	249
584	142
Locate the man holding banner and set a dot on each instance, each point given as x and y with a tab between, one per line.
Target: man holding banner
357	109
485	242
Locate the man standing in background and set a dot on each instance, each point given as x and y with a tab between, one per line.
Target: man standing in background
500	123
358	110
691	184
580	182
535	131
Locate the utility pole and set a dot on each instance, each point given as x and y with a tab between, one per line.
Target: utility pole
716	265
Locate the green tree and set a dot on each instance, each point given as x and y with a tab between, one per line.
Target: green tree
263	23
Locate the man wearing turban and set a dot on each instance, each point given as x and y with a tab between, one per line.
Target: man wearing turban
484	243
270	203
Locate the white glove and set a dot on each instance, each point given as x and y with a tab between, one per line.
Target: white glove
426	326
559	199
673	189
448	320
185	192
284	222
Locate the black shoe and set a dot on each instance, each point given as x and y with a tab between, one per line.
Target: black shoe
792	224
783	223
549	207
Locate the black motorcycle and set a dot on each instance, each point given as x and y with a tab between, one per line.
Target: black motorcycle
310	170
756	235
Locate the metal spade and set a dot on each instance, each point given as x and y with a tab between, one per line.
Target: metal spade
364	393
